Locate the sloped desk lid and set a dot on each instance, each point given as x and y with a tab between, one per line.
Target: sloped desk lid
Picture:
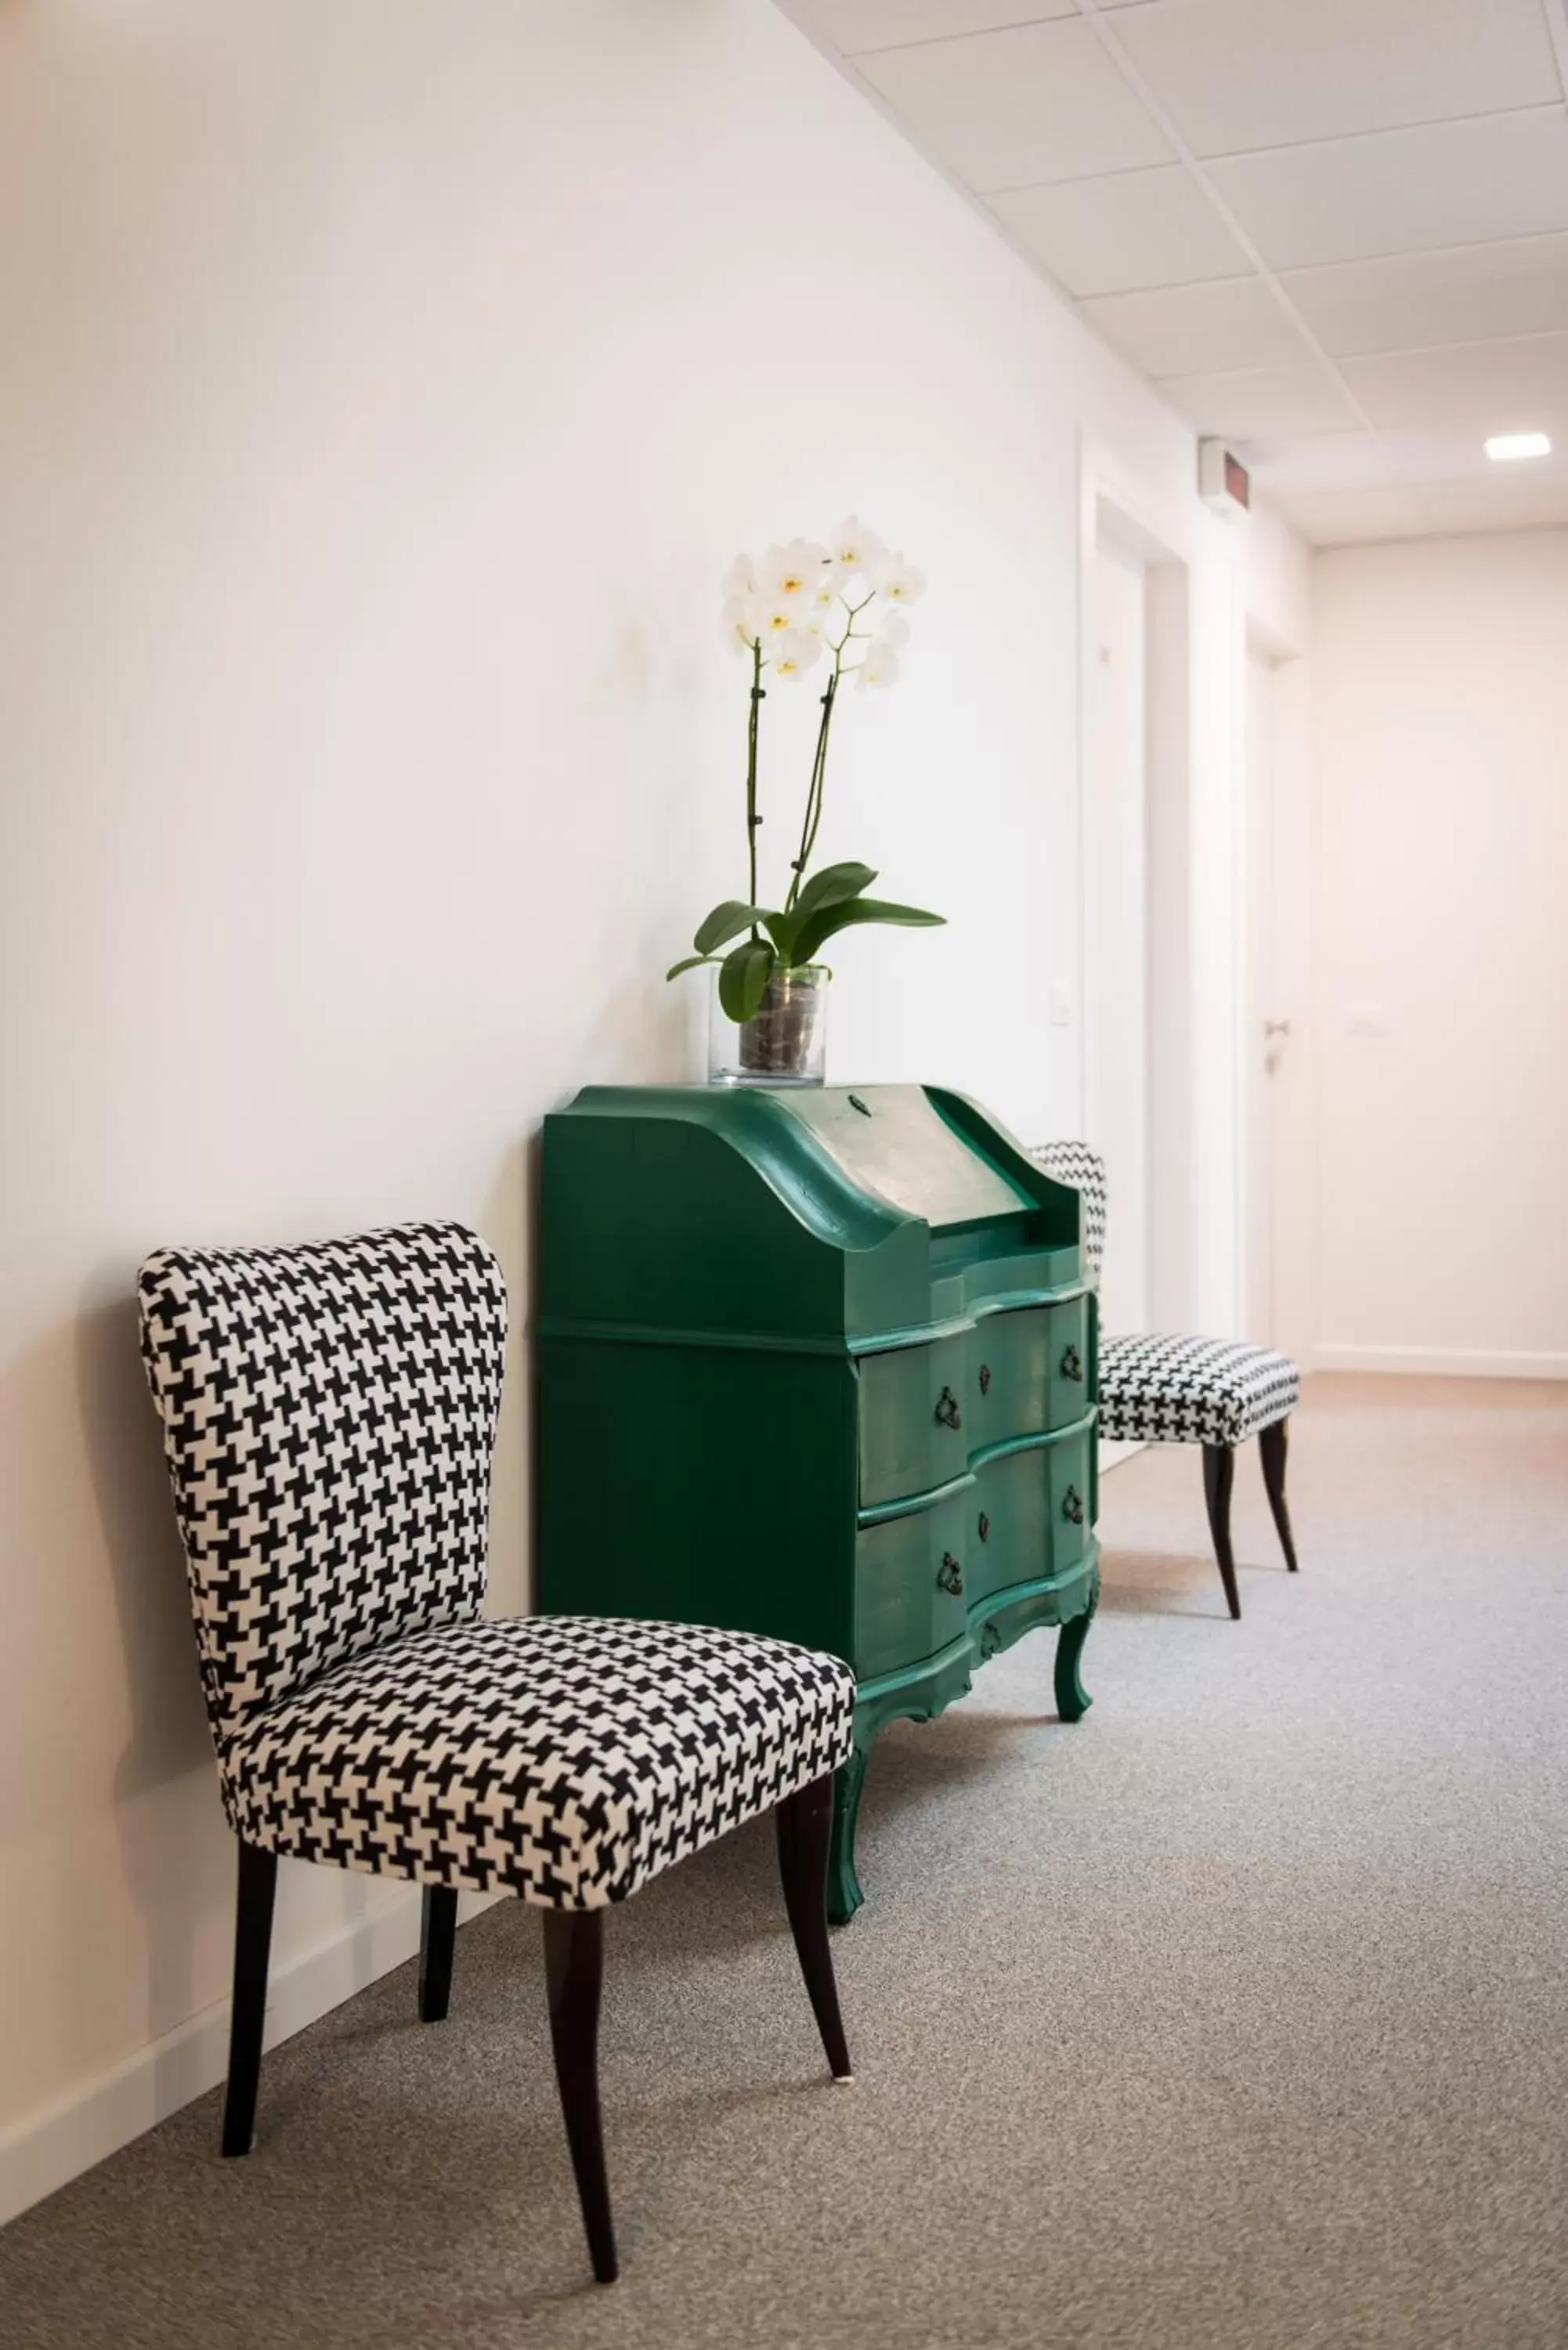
893	1141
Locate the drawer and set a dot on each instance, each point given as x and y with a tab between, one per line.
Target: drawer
906	1604
1028	1517
915	1428
1030	1371
925	1410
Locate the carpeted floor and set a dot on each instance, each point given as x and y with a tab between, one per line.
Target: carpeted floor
1235	2018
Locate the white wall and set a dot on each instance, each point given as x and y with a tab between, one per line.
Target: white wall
387	385
1441	689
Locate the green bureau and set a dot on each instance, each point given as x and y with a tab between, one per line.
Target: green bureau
818	1363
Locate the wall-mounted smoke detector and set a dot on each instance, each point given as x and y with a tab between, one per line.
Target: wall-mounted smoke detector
1223	483
1503	448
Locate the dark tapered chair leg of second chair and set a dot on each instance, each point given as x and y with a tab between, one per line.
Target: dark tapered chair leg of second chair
253	1945
1272	1444
574	1976
805	1822
437	1933
1219	1476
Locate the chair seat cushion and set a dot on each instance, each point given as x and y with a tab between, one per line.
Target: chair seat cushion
1157	1390
566	1759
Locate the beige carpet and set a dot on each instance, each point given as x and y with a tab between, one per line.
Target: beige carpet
1232	2019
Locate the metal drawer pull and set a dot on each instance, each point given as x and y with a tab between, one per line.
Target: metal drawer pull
985	1378
948	1410
1072	1507
1071	1364
984	1527
950	1575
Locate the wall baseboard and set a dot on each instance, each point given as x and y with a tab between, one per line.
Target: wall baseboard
1441	1362
49	2148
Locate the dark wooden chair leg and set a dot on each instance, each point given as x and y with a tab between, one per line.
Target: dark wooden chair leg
437	1933
574	1974
1272	1445
1219	1476
805	1825
253	1943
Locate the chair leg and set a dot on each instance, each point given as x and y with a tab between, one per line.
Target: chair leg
1272	1445
253	1943
1219	1476
574	1974
805	1825
437	1932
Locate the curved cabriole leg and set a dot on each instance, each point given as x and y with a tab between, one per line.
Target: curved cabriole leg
253	1943
1073	1700
1272	1445
1219	1476
844	1894
805	1825
437	1932
574	1974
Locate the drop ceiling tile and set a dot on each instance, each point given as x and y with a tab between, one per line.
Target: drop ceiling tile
1234	322
855	26
1501	175
1132	229
1520	386
1352	516
1458	455
1006	109
1259	402
1237	75
1503	504
1466	294
1320	460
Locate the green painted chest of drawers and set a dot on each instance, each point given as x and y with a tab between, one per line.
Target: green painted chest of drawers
820	1364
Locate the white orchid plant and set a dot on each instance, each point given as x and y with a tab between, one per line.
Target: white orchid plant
845	604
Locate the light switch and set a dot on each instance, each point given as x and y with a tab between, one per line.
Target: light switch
1367	1018
1060	1008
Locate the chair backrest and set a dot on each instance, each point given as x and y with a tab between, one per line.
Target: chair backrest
330	1419
1083	1171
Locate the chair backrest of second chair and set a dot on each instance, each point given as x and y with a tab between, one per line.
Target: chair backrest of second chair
1083	1171
328	1420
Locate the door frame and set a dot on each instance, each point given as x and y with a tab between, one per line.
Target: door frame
1288	915
1116	508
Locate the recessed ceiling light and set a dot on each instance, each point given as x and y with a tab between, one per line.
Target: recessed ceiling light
1504	446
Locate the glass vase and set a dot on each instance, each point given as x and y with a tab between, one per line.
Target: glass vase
786	1042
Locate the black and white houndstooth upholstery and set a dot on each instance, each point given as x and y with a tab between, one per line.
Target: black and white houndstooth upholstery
1160	1390
1082	1171
330	1418
568	1759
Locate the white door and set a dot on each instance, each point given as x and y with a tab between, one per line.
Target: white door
1265	1037
1115	913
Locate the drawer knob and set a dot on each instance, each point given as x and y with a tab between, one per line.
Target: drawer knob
985	1378
984	1527
950	1575
1073	1507
948	1410
1071	1364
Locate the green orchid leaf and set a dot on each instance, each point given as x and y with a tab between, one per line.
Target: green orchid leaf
688	963
821	926
743	981
781	929
832	886
724	920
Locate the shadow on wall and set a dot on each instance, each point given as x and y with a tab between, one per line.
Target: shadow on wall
507	1220
169	1739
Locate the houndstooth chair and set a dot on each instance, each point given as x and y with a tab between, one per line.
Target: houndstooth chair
328	1419
1217	1392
